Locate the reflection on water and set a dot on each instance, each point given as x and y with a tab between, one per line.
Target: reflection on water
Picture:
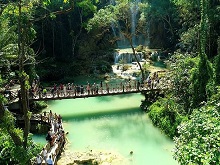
114	123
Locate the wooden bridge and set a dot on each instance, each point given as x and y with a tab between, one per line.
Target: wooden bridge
55	147
97	90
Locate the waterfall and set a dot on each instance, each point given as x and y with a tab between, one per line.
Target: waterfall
126	56
134	11
116	29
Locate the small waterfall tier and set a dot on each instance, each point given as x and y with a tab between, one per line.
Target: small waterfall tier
126	56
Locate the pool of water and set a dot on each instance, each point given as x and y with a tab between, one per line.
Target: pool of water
113	123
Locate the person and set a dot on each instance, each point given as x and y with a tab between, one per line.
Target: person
81	90
64	136
53	137
88	88
39	159
44	151
50	117
50	161
59	120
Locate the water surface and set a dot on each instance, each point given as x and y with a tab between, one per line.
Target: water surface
113	123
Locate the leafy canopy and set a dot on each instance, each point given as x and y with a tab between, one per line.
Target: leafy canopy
199	140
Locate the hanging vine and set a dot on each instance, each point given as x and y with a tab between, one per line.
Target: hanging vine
202	76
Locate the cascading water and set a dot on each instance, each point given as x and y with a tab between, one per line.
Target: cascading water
122	42
126	56
134	11
116	29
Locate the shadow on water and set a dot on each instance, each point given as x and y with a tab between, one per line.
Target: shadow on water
97	115
106	98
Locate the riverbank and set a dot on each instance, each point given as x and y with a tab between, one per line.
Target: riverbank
92	157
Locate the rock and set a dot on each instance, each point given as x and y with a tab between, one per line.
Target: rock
93	158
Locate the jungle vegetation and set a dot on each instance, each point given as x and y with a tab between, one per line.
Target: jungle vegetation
60	39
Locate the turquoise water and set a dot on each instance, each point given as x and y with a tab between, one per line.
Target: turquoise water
113	123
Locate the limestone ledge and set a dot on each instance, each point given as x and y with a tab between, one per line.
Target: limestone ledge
90	157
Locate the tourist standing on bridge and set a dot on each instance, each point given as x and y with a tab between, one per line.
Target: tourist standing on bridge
81	89
88	88
78	89
39	159
93	88
61	89
50	117
97	89
59	120
50	161
44	152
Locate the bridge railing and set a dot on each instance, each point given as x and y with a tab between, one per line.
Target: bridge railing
58	141
95	89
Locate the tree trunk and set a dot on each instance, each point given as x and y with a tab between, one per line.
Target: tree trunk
42	31
135	56
23	78
53	39
74	39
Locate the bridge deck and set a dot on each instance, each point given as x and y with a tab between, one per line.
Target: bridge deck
70	91
86	95
55	150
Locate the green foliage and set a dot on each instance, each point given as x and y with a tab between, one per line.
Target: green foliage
181	68
6	146
103	66
87	6
125	67
119	15
199	138
12	154
217	69
139	48
8	47
202	80
25	78
38	105
164	114
23	156
189	39
104	18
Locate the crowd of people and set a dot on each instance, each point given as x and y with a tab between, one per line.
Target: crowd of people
55	135
71	89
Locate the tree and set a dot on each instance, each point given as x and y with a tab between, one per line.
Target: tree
179	76
22	13
199	138
189	19
202	77
8	47
119	16
217	65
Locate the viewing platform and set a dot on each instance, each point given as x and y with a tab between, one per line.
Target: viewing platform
55	139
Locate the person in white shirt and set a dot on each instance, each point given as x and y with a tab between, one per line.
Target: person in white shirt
44	154
39	159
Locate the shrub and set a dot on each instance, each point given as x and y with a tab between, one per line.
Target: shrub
38	105
125	67
198	142
164	114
